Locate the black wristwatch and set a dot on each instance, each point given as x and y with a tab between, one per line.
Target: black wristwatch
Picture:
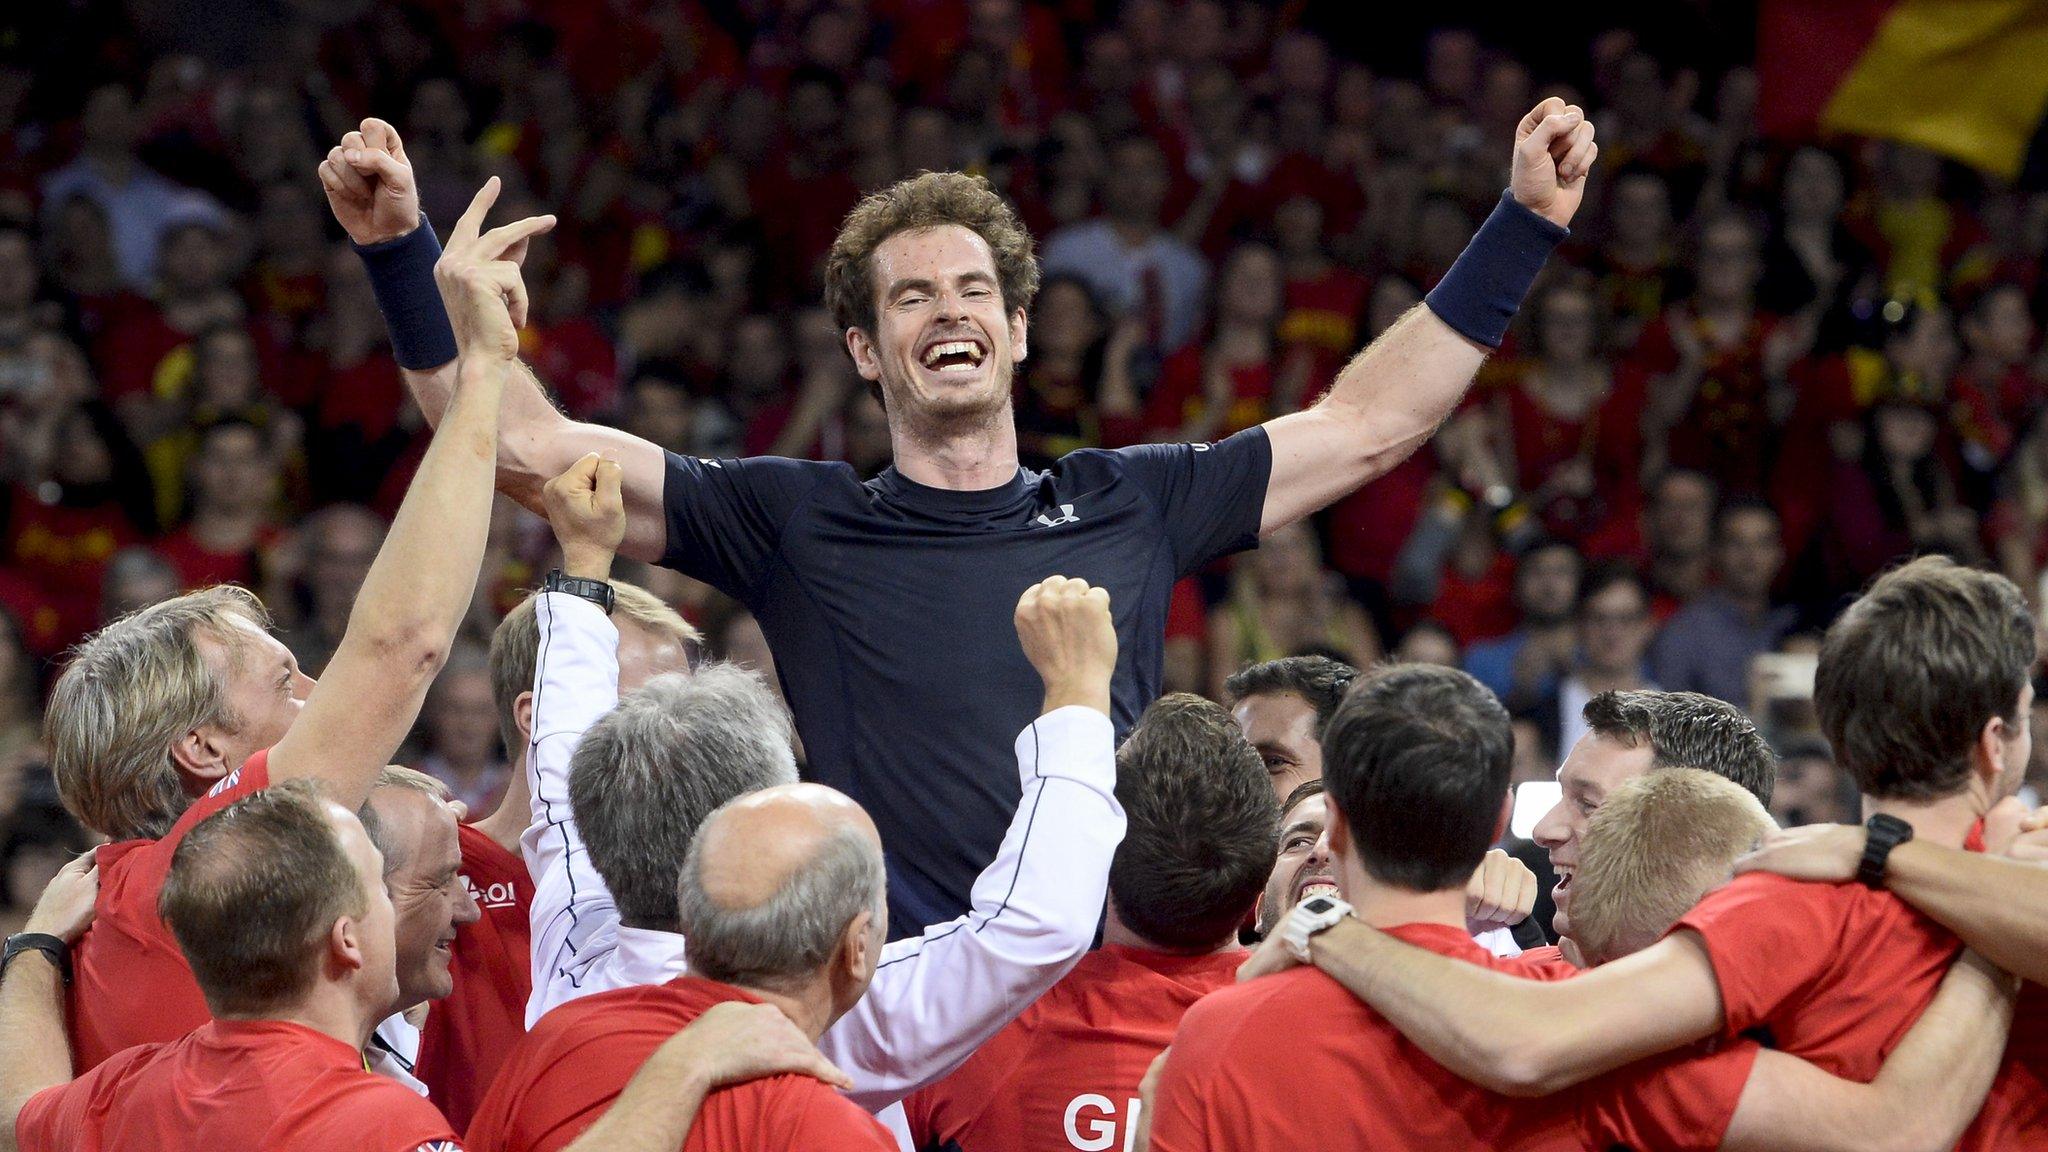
58	951
596	591
1884	833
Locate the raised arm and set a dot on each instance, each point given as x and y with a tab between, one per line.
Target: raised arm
1034	910
1514	1036
1998	905
1393	396
370	186
1930	1088
420	585
730	1044
35	1052
574	920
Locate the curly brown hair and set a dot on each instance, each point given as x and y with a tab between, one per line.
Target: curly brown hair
927	200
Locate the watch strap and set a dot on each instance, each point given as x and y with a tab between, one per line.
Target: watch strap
598	592
1882	833
51	946
1303	923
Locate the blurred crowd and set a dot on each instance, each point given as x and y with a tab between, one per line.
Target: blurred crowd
1761	372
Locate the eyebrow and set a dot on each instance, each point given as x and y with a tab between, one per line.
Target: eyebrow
919	283
1301	826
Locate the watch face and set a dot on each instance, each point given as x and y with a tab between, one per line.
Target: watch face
1317	905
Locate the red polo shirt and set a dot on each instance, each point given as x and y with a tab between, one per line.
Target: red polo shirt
234	1084
1065	1072
130	983
578	1058
469	1034
1295	1061
1839	972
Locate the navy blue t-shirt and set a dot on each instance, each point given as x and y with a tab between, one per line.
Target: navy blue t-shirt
890	608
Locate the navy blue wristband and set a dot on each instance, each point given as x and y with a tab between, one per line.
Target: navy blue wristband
402	276
1479	295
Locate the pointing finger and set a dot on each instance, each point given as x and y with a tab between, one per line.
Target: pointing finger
472	219
498	241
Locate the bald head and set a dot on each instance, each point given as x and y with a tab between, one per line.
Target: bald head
780	885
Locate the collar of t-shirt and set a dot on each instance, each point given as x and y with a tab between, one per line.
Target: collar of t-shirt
280	1033
1442	939
951	504
1173	964
647	956
394	1050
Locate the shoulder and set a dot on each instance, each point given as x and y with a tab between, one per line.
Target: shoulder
353	1109
764	473
1240	1011
821	1117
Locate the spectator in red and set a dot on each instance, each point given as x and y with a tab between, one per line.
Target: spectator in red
2019	516
1525	664
1638	263
234	499
1678	534
1325	301
1368	528
1997	387
136	577
1927	245
1812	260
1901	499
331	557
460	748
1239	378
1284	603
144	357
361	421
1569	424
63	527
562	343
1718	365
21	713
226	384
286	282
1134	264
1060	385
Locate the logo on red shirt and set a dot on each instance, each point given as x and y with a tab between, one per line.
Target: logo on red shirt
499	895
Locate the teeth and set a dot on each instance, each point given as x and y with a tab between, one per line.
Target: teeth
1320	888
954	348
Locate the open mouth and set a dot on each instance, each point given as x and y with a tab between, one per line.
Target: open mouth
1315	886
954	356
1561	891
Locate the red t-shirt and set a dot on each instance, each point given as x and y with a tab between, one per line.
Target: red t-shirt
578	1058
200	567
1839	972
234	1084
1065	1072
468	1034
1295	1061
130	984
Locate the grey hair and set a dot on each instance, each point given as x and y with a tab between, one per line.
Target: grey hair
648	774
407	779
782	942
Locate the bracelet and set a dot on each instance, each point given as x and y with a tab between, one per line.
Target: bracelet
52	947
1478	297
402	278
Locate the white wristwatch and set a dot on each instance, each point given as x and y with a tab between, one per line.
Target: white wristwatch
1309	917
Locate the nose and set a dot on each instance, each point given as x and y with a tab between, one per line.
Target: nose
302	686
1554	829
467	912
1320	854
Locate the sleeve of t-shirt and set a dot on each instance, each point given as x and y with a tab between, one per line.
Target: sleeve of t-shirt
1211	496
1769	940
377	1118
58	1119
1199	1099
725	517
1680	1102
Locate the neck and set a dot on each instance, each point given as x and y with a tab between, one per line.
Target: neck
1946	821
809	1009
959	458
1115	931
223	528
331	1010
1385	906
1681	575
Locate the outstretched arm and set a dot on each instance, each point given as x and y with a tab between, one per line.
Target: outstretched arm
420	585
1997	904
35	1052
1514	1036
1393	396
939	996
1929	1090
371	188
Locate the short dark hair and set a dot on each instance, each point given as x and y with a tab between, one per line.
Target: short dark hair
1202	826
1910	673
1417	759
1302	791
252	893
1317	679
1688	730
1606	575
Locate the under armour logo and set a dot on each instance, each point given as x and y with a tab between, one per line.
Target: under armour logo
1066	517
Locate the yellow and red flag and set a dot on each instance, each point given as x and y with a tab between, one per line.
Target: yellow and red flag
1965	78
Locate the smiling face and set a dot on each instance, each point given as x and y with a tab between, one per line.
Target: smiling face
944	346
1282	727
1596	767
428	897
1305	866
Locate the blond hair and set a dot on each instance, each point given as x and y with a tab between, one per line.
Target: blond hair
128	694
1659	843
515	649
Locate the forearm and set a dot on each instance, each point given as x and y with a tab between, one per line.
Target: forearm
1998	906
1033	914
654	1112
35	1052
1930	1088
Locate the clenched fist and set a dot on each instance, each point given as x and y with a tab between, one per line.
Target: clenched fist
370	185
1070	639
1554	150
588	514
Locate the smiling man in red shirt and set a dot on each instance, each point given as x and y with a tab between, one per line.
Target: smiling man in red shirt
1198	847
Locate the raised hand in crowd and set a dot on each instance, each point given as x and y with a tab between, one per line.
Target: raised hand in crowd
1070	638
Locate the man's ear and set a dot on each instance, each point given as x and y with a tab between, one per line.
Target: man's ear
854	946
1019	325
1337	829
866	361
201	755
522	715
345	945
